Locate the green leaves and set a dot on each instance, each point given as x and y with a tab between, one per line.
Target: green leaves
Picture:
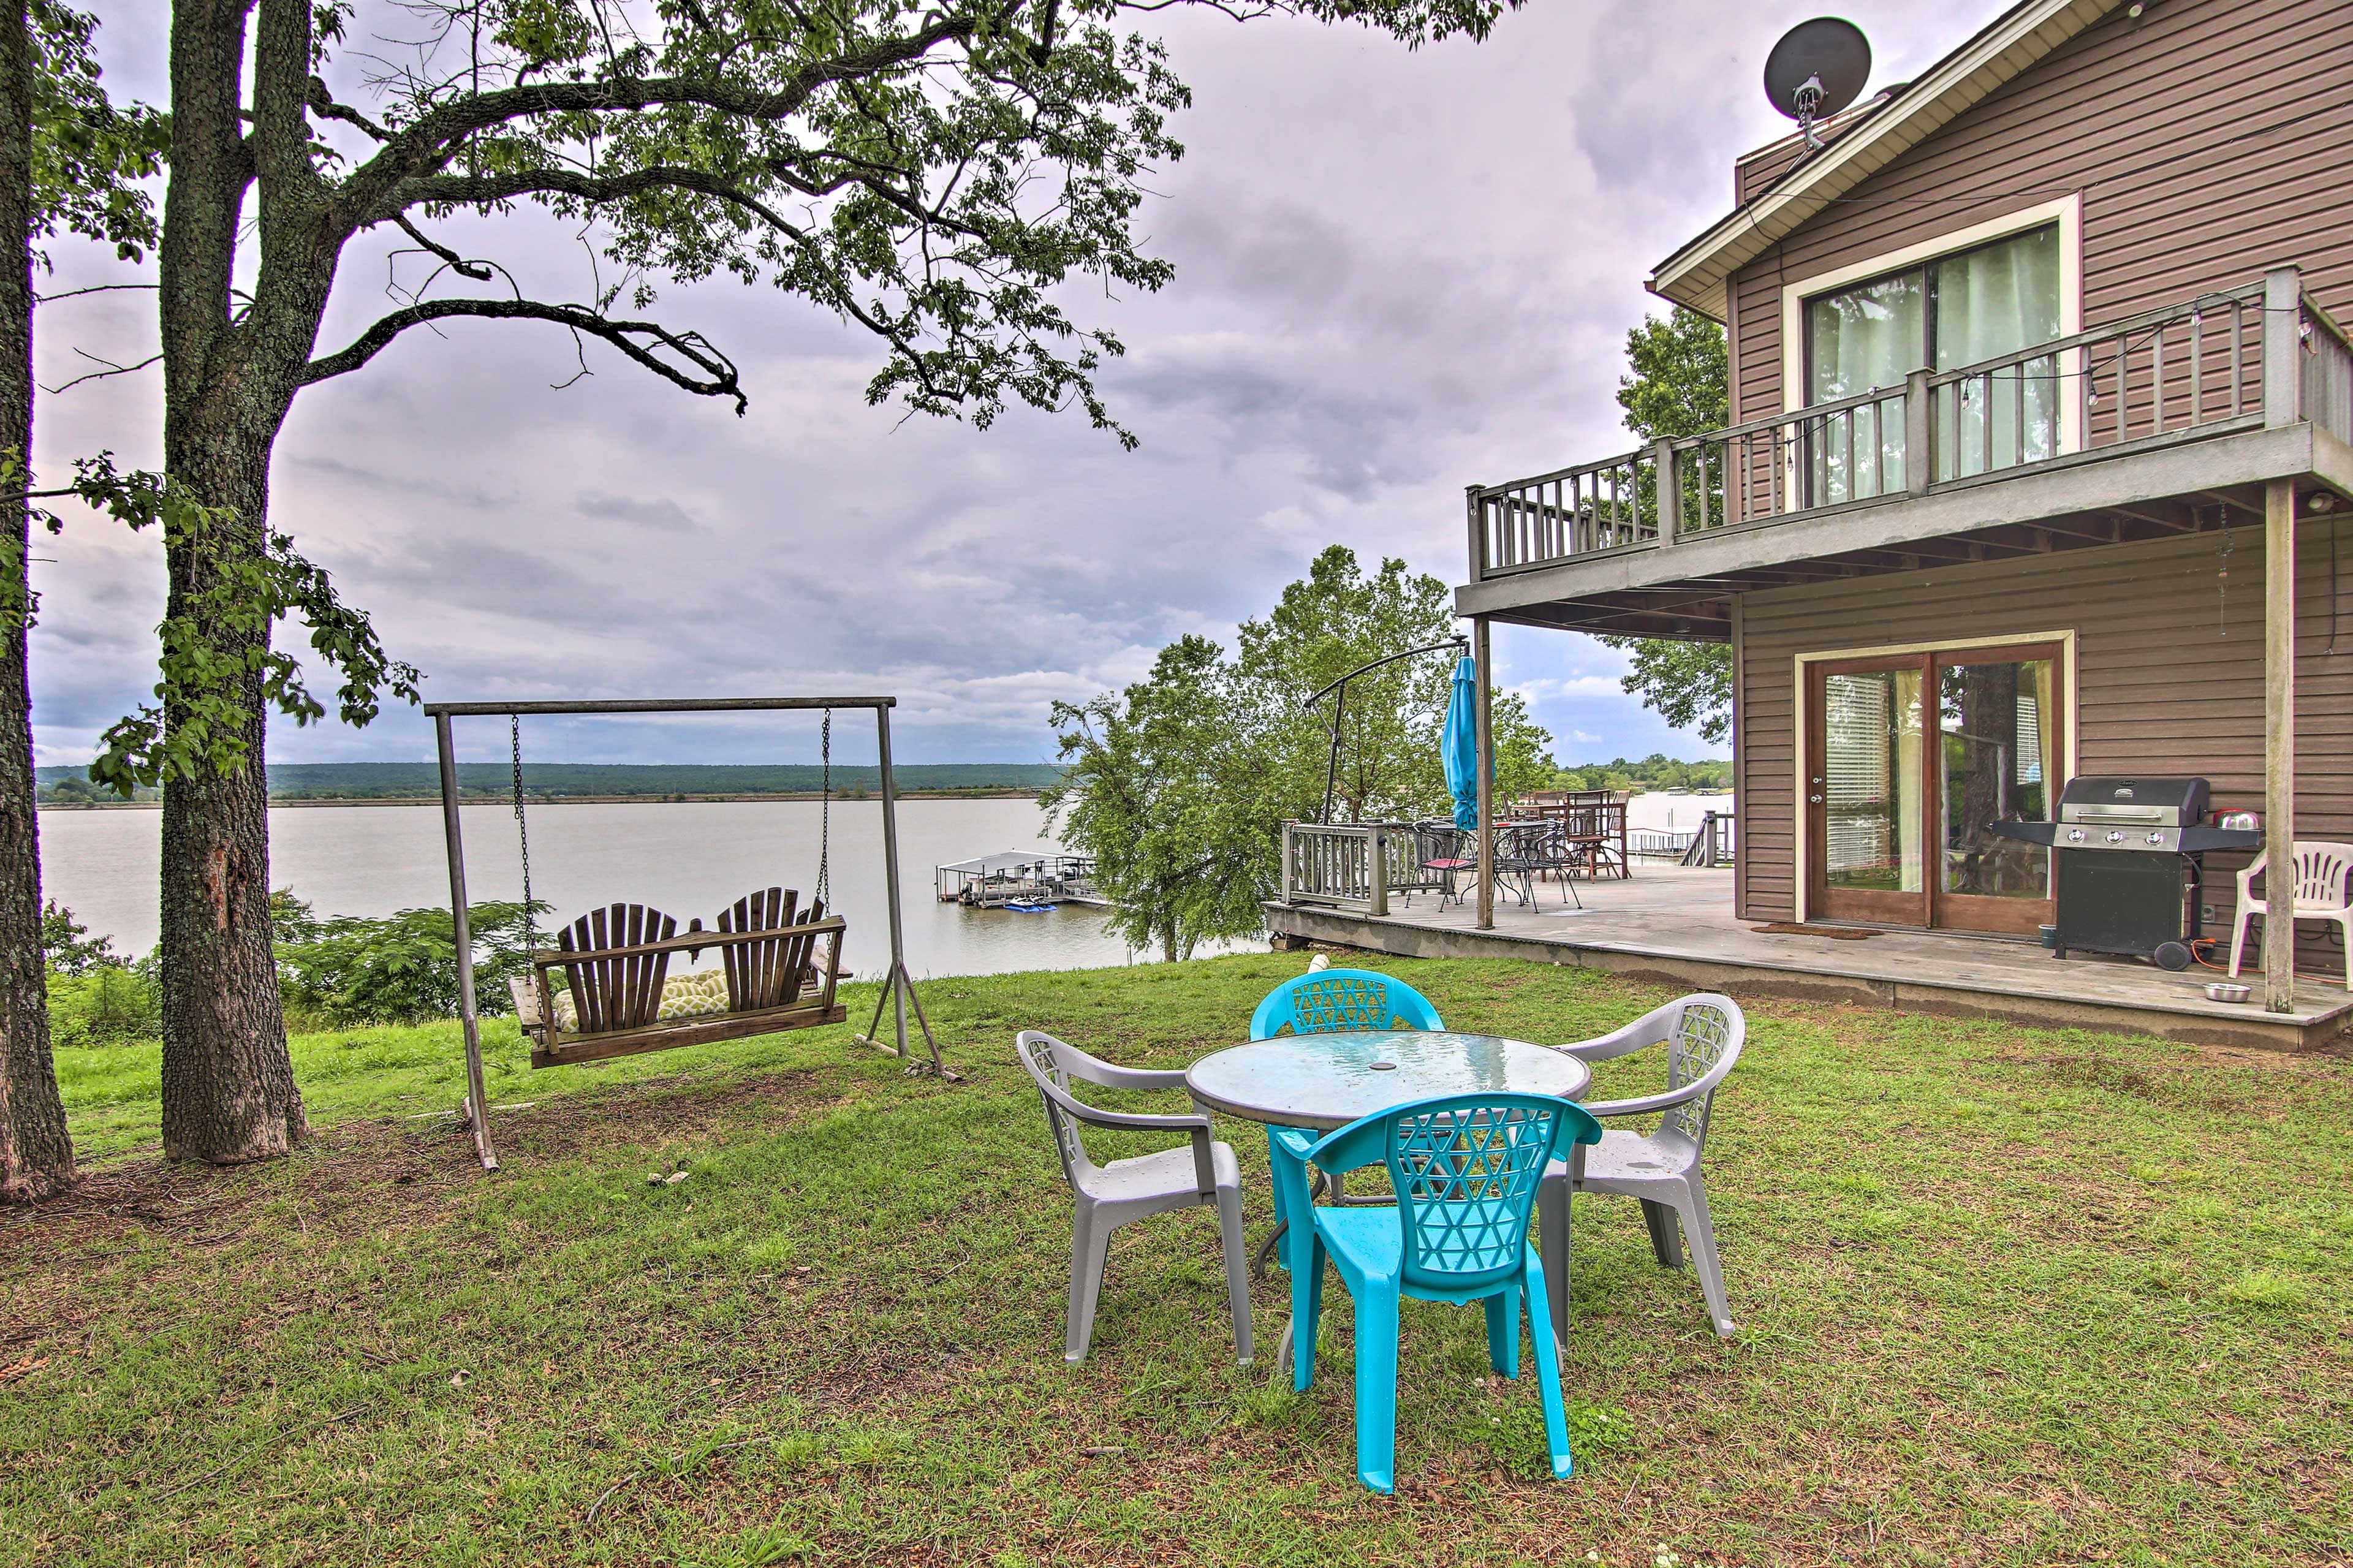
219	634
87	153
936	178
399	969
1679	383
1180	786
1679	380
1688	684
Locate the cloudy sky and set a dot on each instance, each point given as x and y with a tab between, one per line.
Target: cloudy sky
1395	273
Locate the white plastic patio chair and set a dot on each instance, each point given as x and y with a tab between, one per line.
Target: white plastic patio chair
1111	1195
1703	1034
2321	869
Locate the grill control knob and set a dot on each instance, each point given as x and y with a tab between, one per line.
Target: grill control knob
2075	835
2116	837
2157	839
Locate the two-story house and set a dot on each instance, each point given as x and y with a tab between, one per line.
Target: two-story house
2037	465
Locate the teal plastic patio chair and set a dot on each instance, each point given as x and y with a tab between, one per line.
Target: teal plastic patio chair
1465	1170
1320	1002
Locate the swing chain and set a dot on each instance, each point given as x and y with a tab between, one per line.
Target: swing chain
522	835
825	813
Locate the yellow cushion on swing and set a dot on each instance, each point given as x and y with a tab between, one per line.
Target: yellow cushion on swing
695	994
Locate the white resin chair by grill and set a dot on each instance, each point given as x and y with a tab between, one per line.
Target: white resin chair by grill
2321	868
1703	1034
1111	1195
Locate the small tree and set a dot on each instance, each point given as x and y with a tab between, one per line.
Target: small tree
1678	383
1180	787
1336	619
1169	791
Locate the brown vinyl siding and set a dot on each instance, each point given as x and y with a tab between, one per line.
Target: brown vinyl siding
2168	678
2209	139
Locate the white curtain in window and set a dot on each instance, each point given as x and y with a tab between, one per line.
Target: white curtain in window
1861	340
1991	301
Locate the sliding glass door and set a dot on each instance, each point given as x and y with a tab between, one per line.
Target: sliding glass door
1910	760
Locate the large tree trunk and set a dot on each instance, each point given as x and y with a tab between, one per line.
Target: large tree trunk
36	1153
229	1084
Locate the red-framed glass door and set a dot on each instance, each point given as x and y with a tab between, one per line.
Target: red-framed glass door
1910	760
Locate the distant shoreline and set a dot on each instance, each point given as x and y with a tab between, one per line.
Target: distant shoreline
848	798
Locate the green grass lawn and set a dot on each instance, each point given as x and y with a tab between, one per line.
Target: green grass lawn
2005	1298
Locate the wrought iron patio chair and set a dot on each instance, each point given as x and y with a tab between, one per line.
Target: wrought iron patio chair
1464	1170
1528	850
1445	852
1703	1034
1109	1196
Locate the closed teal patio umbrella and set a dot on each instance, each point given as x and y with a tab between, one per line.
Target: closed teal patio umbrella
1459	743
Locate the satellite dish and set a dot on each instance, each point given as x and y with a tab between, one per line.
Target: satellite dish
1818	69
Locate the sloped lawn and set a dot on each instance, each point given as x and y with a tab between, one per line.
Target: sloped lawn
2005	1298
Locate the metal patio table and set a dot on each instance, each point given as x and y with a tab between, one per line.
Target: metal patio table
1322	1082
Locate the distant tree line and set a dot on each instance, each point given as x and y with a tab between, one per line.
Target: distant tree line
1656	770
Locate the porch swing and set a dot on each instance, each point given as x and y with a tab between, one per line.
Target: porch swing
780	960
619	998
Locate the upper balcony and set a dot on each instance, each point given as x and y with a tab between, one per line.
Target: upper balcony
2161	422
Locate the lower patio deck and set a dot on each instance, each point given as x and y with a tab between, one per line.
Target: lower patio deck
1677	925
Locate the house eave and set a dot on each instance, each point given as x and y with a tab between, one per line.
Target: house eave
1699	274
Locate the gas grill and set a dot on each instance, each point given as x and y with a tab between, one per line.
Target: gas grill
2126	864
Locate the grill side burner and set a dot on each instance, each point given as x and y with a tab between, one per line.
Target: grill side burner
2126	864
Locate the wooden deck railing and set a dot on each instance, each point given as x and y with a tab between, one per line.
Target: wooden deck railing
2326	395
1349	863
2263	353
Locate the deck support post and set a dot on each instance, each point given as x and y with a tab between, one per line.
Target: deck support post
2279	745
1479	654
1376	869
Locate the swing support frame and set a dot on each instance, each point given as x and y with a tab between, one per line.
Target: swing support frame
899	987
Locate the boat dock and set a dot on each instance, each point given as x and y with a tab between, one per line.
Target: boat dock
1018	879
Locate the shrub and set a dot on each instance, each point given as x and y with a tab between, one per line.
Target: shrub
68	948
399	969
105	1005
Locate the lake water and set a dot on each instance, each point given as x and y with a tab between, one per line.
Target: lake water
685	858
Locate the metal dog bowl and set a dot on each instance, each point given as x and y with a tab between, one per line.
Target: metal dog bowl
2227	991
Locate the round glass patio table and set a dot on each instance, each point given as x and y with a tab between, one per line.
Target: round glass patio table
1325	1081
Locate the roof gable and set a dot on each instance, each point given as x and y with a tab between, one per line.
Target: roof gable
1697	275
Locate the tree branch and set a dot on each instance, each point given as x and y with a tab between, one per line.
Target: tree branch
480	271
112	369
92	288
471	189
644	342
483	190
425	145
322	104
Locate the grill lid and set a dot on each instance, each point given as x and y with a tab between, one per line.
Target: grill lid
2144	802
